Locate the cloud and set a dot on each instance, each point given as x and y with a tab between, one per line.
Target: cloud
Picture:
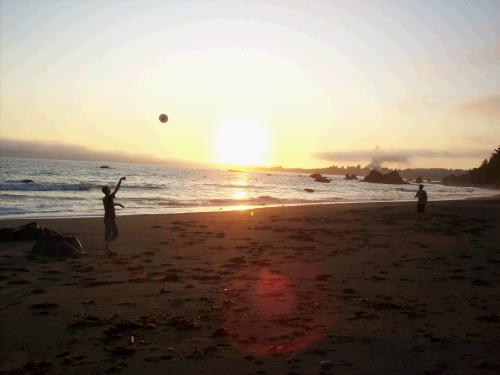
377	156
60	150
487	105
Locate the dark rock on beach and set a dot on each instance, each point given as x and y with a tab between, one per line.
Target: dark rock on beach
28	232
309	190
49	242
58	246
104	167
27	181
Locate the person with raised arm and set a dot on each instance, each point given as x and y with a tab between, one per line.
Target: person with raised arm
110	227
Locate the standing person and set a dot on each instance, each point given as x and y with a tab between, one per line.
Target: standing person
422	201
110	228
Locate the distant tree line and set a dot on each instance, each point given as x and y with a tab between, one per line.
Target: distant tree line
488	174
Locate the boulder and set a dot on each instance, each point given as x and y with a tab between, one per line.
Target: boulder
309	190
393	178
374	176
28	232
48	242
27	181
319	178
104	166
322	179
7	234
350	177
389	178
58	246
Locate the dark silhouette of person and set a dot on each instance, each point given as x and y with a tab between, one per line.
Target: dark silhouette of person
422	201
110	228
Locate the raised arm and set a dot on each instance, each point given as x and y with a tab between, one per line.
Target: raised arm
118	185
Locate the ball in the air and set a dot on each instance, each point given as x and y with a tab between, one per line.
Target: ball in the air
163	118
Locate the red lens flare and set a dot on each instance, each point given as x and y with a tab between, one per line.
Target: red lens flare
269	315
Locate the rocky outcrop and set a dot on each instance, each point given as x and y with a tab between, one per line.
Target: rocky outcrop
58	246
319	178
389	178
350	177
48	242
28	232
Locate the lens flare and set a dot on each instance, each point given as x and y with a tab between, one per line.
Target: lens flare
270	315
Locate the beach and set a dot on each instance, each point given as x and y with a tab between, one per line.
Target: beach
347	289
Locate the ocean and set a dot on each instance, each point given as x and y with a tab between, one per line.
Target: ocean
63	188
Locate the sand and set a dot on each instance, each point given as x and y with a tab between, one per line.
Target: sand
268	291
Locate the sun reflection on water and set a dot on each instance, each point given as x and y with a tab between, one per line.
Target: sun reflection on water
239	182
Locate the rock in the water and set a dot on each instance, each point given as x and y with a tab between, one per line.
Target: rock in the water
322	179
350	177
389	178
309	190
319	178
27	181
104	166
58	246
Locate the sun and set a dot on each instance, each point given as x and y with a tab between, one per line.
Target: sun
240	140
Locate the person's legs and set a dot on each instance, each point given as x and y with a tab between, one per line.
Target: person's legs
107	233
420	211
114	230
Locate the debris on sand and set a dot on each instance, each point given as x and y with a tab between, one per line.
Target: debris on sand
182	323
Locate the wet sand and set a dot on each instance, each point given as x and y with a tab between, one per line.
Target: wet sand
267	291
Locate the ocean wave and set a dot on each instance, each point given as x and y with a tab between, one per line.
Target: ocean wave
80	186
20	186
235	186
34	197
217	202
4	211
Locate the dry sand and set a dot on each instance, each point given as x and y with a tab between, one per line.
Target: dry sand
278	291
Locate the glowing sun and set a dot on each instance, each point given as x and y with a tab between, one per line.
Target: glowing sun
240	141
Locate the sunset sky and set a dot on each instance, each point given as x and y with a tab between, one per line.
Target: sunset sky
292	83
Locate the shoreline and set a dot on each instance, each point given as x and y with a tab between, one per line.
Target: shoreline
246	208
